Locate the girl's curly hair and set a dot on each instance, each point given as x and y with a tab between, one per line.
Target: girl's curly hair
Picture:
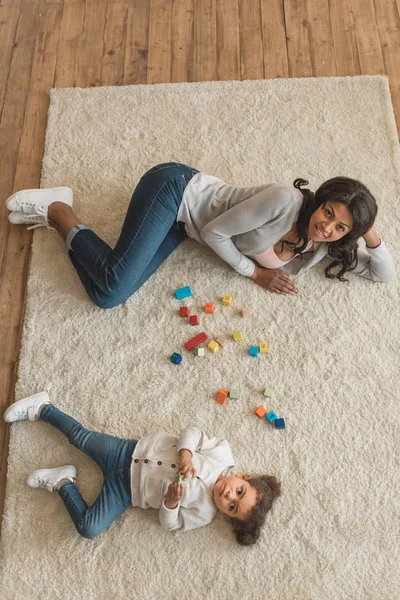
362	206
268	489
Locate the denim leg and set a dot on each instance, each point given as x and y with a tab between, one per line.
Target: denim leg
111	276
114	457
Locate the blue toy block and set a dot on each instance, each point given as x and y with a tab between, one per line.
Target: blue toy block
176	358
280	423
254	351
271	416
183	292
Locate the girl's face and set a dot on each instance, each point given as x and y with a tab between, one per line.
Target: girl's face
330	222
234	496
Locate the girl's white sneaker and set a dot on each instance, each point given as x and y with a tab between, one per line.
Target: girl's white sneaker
37	201
27	408
50	478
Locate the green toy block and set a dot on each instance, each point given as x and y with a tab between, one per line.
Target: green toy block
234	394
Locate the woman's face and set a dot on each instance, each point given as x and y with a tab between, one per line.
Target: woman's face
330	222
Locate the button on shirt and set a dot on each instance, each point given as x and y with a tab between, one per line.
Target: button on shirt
154	467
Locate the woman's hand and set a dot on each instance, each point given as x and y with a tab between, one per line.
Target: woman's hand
372	238
273	280
174	494
186	467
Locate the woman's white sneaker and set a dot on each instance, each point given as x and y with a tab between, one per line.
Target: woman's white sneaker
34	202
26	409
50	478
20	218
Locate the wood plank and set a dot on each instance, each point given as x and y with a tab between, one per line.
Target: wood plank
344	39
321	41
228	39
137	42
205	41
159	57
298	40
367	35
91	51
182	41
9	16
274	39
251	44
35	25
69	45
388	19
113	61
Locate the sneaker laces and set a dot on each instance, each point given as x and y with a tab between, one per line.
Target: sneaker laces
20	414
44	483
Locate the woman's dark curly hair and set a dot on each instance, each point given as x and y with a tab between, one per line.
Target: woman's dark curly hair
268	489
361	204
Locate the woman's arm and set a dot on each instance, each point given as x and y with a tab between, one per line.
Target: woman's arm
375	262
273	280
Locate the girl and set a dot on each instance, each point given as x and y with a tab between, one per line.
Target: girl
262	232
143	473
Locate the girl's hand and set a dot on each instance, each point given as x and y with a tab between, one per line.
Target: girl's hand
174	494
186	467
273	280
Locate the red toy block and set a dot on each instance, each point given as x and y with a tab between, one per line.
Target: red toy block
196	341
184	311
194	320
222	396
260	412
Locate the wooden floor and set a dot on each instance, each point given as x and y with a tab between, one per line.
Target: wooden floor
69	43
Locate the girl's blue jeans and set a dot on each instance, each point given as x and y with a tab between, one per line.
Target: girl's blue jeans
114	457
149	234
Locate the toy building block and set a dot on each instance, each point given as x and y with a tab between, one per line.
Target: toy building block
199	351
213	346
222	396
264	348
180	478
196	341
183	292
209	308
237	335
184	311
280	423
176	358
234	394
221	340
271	416
268	392
227	300
253	351
194	320
246	312
260	412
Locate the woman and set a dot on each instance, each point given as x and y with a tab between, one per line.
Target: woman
262	232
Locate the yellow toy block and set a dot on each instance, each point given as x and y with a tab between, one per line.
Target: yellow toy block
264	348
237	336
213	346
227	300
260	412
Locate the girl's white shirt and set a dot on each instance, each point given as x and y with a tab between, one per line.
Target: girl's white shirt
155	463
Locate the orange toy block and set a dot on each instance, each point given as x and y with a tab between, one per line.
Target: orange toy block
209	308
222	396
260	412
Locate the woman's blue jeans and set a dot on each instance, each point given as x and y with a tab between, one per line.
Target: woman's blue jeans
149	234
114	457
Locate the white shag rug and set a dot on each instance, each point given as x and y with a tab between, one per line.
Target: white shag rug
333	361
